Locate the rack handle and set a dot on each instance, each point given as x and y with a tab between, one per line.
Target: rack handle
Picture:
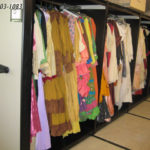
4	69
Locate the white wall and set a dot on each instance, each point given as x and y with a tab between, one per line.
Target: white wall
10	55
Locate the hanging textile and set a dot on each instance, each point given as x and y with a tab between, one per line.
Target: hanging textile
83	40
42	138
56	102
35	126
140	72
118	53
65	54
147	43
125	94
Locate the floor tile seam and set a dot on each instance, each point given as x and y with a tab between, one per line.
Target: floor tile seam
112	143
138	116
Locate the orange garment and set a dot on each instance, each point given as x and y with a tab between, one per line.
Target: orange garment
93	27
94	68
104	89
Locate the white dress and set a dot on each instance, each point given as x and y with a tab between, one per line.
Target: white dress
123	91
111	47
140	71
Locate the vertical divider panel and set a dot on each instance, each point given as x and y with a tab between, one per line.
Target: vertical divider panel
26	74
100	18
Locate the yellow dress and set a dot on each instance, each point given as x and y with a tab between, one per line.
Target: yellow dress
87	28
55	95
50	50
61	92
55	89
72	100
70	77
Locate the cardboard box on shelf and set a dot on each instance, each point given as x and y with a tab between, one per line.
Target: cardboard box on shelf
148	7
135	4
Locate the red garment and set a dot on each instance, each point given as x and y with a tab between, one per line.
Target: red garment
48	78
108	58
139	92
35	120
145	63
111	27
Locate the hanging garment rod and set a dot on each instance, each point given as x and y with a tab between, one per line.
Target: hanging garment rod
75	7
52	2
123	16
129	17
62	5
83	7
70	7
145	22
93	7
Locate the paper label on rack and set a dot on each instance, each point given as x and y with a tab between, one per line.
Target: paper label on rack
16	14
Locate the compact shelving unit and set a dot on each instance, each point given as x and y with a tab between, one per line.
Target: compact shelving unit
133	17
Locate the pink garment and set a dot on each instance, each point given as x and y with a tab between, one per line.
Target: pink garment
35	120
84	56
82	69
34	42
71	24
110	105
72	28
91	106
83	87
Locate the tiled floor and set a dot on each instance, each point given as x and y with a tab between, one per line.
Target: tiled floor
131	131
148	99
142	109
93	143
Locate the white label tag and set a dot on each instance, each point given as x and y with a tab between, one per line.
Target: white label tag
16	14
16	11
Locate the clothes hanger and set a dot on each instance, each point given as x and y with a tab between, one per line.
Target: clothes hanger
71	13
121	20
72	10
112	17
